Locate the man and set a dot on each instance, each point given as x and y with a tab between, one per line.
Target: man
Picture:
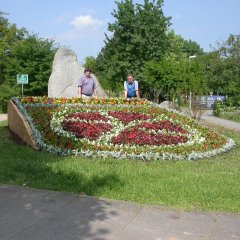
87	85
131	87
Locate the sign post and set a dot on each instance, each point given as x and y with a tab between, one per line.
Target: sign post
22	79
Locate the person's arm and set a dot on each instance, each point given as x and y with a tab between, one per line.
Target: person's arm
136	89
125	90
95	93
80	87
79	91
137	93
125	94
94	89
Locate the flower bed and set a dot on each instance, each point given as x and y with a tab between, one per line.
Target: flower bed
60	101
136	129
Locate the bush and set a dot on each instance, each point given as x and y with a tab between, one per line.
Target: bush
218	108
226	110
233	101
7	92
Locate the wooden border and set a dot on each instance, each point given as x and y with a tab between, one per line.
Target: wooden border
19	126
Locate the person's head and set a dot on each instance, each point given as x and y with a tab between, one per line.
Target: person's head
130	78
88	72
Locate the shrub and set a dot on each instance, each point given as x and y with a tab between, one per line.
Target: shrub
218	108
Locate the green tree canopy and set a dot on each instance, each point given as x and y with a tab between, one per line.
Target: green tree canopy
9	37
90	62
179	49
21	52
138	35
223	67
167	79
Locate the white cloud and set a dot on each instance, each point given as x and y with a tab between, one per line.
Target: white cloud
79	33
84	21
82	27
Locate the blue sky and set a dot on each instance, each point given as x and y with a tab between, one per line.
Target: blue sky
81	24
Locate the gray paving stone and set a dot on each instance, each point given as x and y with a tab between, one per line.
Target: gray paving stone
36	202
193	225
30	214
222	122
227	227
9	228
149	222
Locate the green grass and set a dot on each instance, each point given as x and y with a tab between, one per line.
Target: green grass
233	116
211	184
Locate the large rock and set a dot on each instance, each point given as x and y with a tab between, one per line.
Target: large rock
66	72
166	104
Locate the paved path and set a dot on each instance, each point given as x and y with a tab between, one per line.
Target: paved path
3	117
28	214
220	121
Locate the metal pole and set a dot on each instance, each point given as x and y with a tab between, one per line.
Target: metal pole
22	90
190	100
190	94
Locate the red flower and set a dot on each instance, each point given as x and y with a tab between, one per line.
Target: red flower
95	116
126	117
164	124
91	131
140	137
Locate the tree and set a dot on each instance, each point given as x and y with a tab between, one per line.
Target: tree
138	35
230	51
223	67
175	47
192	48
9	36
168	79
22	52
34	56
179	49
174	75
90	62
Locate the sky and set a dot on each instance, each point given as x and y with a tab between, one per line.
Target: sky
82	24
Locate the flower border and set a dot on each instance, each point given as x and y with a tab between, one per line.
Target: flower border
115	154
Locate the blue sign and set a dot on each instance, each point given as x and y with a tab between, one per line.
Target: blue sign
208	101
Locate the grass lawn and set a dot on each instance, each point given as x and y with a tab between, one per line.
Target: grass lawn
235	119
211	184
231	115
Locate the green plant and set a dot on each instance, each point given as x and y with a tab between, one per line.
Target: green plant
199	185
233	101
217	108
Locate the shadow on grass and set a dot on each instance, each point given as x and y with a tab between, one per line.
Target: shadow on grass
20	165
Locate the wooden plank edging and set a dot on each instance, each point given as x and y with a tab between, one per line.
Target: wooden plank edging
19	126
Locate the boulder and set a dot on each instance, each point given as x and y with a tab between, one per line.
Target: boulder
66	72
166	104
